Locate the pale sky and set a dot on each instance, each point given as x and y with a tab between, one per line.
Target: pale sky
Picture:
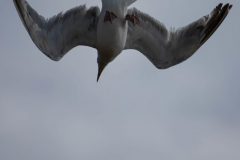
56	110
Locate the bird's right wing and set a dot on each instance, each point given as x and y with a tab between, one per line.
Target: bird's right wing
166	48
59	34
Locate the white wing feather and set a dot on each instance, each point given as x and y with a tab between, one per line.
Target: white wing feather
167	48
59	34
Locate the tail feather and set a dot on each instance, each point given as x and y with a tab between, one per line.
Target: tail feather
129	2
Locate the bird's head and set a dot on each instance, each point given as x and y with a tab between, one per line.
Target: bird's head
103	61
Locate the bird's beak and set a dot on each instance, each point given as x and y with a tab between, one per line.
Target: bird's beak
101	67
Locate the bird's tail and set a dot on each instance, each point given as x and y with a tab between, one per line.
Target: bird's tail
129	2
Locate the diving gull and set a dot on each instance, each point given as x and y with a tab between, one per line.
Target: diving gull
116	28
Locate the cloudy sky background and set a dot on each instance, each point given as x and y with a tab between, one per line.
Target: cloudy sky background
57	111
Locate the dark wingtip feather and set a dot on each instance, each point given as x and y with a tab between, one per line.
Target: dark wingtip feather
19	8
220	14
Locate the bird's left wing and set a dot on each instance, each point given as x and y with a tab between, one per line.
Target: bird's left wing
167	48
59	34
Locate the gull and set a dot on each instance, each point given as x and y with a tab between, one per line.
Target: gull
115	28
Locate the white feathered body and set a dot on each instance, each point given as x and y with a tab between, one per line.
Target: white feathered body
112	36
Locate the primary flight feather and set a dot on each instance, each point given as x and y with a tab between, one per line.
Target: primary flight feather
116	28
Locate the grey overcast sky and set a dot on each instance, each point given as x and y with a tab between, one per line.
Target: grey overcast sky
57	111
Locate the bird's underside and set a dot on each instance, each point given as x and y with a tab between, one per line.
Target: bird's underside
164	48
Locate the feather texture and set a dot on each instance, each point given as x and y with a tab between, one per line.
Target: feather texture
59	34
166	48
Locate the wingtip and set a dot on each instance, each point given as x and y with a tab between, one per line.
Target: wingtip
20	9
219	15
219	6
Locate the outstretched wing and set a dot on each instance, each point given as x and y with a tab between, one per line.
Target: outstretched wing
59	34
167	48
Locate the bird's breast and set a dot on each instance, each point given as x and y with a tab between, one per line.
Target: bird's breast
111	36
